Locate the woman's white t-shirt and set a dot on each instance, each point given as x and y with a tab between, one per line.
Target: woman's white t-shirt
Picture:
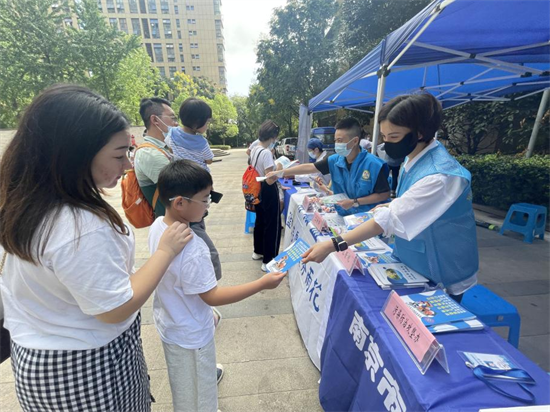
84	271
261	159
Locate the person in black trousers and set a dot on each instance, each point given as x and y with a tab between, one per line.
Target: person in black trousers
267	231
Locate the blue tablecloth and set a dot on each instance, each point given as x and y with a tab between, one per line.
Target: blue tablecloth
381	376
288	193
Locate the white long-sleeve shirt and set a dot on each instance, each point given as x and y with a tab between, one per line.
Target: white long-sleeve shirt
421	205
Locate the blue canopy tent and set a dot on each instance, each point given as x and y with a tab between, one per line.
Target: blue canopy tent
458	50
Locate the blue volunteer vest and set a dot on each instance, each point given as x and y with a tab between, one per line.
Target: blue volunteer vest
359	181
446	251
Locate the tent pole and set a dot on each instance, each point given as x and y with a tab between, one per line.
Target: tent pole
379	99
538	120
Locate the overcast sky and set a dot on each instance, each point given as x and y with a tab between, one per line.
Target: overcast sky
244	21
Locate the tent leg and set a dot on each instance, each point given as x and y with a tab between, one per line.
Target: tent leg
304	130
538	120
379	100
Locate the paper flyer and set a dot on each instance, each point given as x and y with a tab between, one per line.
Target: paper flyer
436	307
289	257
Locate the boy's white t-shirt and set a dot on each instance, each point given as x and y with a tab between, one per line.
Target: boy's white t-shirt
85	271
181	316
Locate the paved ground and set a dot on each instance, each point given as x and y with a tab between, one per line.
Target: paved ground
267	368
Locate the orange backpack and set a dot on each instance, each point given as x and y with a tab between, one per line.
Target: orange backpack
251	187
137	209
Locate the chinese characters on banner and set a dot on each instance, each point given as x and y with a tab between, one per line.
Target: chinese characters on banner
387	386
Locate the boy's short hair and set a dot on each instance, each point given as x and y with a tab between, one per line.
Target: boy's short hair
182	178
422	113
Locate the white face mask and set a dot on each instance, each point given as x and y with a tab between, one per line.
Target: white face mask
272	145
312	154
169	128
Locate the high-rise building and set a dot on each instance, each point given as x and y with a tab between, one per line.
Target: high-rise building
179	35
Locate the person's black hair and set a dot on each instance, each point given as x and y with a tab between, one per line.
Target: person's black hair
422	113
182	178
351	125
194	113
268	130
48	165
151	106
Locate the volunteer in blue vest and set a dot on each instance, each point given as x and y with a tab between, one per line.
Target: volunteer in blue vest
362	176
432	217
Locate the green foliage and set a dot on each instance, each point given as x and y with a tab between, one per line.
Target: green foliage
220	146
500	181
224	120
245	123
497	127
296	61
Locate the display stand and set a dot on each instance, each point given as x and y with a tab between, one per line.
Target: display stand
417	340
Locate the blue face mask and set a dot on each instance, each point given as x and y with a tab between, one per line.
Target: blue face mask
342	149
272	146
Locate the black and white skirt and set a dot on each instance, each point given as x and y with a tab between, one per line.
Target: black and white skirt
111	378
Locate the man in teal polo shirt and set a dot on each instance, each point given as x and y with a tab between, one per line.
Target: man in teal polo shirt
360	175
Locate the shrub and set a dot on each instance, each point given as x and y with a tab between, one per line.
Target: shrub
220	146
500	181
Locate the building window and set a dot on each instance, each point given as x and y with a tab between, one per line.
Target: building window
217	4
176	9
194	45
155	32
196	68
114	23
145	25
152	4
167	25
180	46
123	25
149	51
68	22
182	69
99	6
172	71
142	7
192	32
219	28
120	6
157	47
181	58
195	56
135	27
220	52
162	71
178	23
190	8
170	53
221	71
179	34
191	21
133	6
110	6
164	7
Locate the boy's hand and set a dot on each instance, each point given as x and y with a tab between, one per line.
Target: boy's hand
273	279
174	239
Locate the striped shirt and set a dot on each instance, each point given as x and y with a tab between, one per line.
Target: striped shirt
192	147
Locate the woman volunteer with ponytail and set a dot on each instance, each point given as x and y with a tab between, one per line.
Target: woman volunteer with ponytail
432	217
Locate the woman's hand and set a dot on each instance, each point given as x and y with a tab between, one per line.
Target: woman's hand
318	252
174	239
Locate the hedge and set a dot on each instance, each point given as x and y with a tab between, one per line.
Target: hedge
220	146
500	181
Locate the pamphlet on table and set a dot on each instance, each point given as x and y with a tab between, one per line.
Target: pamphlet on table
289	257
396	276
371	245
352	221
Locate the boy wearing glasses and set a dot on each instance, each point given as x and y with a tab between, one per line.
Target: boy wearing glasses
183	299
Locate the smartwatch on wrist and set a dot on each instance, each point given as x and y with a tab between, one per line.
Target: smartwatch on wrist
355	203
341	243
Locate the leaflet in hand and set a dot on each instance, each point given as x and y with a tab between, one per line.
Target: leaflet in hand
333	199
285	162
289	257
396	276
436	308
371	245
352	221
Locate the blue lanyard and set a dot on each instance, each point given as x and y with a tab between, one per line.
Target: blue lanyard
521	377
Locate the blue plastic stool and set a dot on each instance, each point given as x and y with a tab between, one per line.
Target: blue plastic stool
527	219
493	311
250	221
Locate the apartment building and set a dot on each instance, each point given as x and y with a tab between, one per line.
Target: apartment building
179	35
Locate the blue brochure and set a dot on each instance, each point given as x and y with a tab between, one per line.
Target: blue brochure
289	257
436	307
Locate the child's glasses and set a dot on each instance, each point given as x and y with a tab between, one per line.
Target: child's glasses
205	203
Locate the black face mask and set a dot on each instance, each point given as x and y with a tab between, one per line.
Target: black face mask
402	148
